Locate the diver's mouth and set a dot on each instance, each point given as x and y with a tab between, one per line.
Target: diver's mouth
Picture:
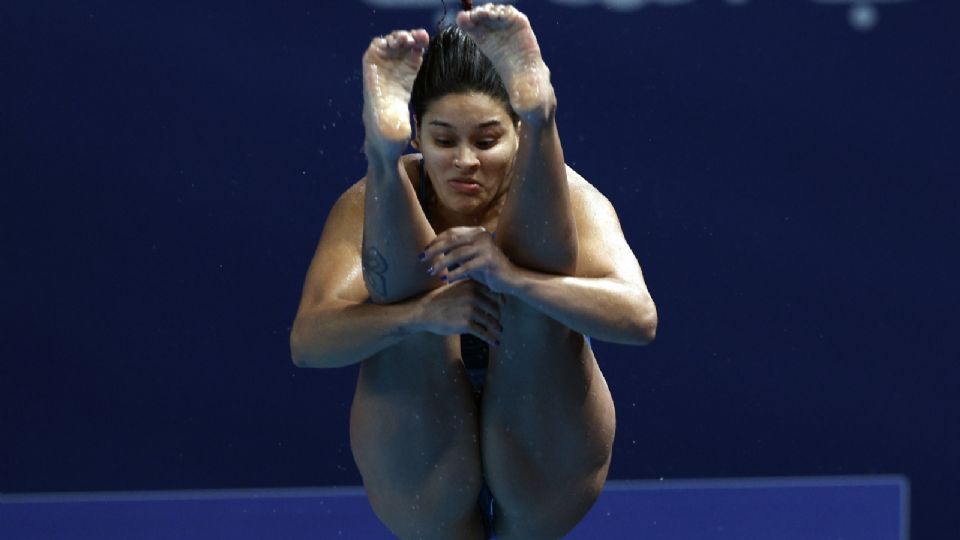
464	185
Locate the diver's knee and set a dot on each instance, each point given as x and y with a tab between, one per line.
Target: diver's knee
439	507
552	513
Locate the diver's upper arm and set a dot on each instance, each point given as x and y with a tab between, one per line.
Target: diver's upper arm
335	272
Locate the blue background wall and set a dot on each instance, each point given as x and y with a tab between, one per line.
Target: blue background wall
786	180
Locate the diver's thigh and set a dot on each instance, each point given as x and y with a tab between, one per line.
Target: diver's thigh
415	439
548	424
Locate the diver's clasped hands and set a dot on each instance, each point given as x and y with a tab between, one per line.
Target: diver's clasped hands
477	274
469	253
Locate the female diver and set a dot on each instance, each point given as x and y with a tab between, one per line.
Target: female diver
464	278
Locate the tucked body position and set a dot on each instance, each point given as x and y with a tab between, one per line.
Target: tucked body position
465	279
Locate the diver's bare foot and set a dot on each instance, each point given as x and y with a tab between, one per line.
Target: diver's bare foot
390	66
505	36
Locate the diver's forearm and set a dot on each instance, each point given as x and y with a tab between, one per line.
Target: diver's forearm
604	308
347	333
395	231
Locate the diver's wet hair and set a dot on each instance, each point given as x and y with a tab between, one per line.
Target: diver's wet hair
453	64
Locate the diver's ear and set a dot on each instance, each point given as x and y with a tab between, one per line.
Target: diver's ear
415	141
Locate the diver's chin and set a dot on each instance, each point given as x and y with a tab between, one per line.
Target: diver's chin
467	208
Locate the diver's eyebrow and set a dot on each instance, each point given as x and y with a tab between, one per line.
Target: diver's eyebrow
486	124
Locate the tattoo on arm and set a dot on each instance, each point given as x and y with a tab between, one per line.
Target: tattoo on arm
374	271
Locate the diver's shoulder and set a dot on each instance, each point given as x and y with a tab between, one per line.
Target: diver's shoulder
353	195
589	203
411	164
414	157
580	187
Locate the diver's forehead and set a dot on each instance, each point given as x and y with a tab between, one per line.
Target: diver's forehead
466	111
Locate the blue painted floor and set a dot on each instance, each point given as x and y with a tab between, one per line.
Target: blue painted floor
847	508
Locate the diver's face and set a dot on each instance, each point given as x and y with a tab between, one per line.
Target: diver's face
468	143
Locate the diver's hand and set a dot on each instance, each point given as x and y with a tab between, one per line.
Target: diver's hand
469	252
465	307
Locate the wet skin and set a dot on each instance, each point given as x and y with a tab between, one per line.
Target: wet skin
542	433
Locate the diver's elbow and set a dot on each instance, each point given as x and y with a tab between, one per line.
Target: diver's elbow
650	332
304	353
646	330
297	355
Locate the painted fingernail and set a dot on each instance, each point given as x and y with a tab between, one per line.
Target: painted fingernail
431	271
442	278
422	256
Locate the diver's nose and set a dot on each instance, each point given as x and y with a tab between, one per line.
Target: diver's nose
465	158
